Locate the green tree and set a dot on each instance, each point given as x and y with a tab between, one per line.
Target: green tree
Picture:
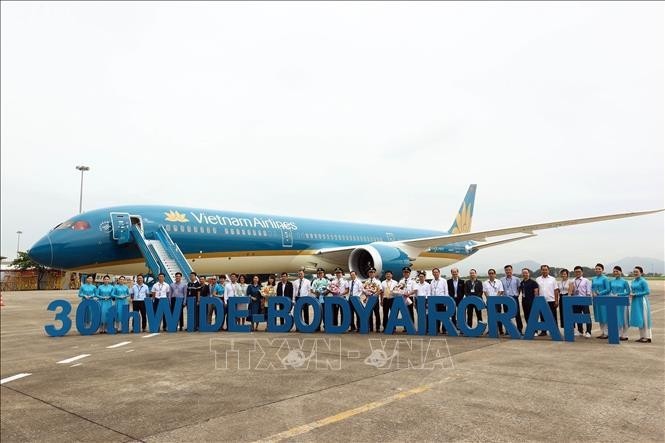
25	263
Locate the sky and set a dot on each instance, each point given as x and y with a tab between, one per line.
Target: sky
370	112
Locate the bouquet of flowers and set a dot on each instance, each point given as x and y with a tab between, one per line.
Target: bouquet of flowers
333	288
399	289
369	288
267	291
320	288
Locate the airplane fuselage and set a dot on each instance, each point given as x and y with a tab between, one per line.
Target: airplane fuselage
216	242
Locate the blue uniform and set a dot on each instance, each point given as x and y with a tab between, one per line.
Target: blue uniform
640	309
600	285
87	290
620	287
105	295
218	289
121	296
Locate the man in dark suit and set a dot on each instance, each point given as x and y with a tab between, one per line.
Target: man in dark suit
284	289
456	289
473	288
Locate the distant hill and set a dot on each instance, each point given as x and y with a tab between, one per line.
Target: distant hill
650	265
529	264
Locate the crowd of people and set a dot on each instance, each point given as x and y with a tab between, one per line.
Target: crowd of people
523	289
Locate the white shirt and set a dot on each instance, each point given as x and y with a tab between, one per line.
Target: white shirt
581	286
546	287
387	287
355	287
301	287
422	289
161	290
230	290
439	287
492	288
563	286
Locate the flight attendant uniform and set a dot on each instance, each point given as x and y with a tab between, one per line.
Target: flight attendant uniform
87	291
640	309
600	286
121	297
620	287
105	296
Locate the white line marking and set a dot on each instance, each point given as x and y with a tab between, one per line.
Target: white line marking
117	345
131	350
77	364
78	357
14	377
658	310
150	335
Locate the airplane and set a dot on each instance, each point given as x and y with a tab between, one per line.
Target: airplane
127	240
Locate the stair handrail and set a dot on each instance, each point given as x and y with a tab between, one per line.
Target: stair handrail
173	250
145	249
167	275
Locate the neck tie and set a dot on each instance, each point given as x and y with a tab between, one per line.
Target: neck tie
299	286
352	282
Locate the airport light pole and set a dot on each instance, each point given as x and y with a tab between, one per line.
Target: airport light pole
82	169
18	241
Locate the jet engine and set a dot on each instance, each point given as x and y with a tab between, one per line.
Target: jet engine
381	256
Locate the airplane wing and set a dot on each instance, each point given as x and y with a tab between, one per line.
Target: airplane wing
414	246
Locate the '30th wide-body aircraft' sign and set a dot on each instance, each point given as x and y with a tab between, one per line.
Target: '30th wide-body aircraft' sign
439	309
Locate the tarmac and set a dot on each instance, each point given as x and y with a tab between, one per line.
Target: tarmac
262	386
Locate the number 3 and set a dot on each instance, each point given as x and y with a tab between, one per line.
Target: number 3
62	316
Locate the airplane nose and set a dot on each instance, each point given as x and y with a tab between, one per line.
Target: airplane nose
42	252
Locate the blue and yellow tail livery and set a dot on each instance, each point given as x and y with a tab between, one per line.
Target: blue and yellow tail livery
462	223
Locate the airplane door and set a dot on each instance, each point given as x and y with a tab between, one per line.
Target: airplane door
287	238
121	225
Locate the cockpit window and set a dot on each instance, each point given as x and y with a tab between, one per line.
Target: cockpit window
79	225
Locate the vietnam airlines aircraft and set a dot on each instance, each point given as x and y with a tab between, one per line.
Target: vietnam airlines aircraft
134	239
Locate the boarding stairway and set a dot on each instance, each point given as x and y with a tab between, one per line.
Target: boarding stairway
161	253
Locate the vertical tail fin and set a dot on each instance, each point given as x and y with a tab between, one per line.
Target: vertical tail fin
462	221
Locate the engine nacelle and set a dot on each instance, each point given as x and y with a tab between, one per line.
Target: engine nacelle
381	256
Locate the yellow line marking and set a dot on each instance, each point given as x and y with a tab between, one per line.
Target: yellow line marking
303	429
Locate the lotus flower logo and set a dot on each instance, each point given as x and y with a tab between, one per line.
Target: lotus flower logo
175	216
463	220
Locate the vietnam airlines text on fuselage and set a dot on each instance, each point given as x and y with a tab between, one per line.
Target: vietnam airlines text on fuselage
223	220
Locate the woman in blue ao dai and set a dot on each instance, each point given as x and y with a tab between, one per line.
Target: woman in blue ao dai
105	296
600	286
620	287
640	308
